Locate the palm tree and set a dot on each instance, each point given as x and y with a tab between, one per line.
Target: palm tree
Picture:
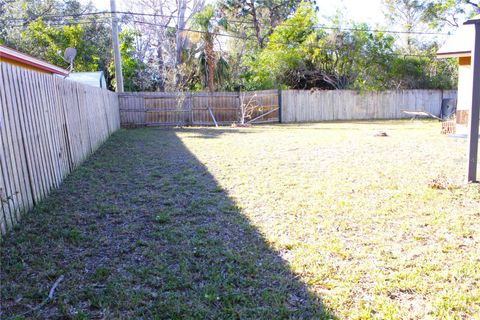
205	22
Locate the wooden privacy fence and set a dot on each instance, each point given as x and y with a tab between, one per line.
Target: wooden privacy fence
199	108
311	106
48	126
289	106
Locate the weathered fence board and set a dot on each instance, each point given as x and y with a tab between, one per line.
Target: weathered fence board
157	108
48	126
184	108
327	105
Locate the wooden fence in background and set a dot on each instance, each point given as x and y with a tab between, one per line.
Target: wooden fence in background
291	106
48	126
327	105
199	108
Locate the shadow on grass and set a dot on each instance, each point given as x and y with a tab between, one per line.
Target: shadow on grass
142	230
209	132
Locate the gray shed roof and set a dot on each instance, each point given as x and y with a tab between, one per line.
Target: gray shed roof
95	79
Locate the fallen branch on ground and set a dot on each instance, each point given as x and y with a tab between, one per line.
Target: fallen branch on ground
44	302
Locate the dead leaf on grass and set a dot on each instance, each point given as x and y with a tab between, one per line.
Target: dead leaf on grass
441	182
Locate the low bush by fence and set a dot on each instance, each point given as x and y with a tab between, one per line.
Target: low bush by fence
48	126
327	105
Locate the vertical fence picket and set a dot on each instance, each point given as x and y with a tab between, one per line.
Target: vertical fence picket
8	206
44	133
11	150
22	171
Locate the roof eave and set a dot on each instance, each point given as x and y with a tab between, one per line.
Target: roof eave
12	54
474	20
460	54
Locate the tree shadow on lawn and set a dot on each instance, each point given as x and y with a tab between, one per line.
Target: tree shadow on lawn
142	230
209	132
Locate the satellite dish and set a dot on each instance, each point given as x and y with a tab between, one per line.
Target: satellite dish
69	55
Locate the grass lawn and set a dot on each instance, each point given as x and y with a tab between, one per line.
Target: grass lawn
288	221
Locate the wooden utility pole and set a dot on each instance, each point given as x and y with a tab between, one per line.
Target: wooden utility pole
474	113
116	48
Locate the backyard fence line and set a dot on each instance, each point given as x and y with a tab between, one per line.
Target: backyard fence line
288	106
48	126
197	108
328	105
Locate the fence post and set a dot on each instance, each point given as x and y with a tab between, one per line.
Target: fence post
279	105
239	106
143	106
188	110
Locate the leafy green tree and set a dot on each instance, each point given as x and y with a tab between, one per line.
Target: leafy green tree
46	28
279	45
300	55
421	72
408	14
130	64
449	13
284	50
257	18
48	43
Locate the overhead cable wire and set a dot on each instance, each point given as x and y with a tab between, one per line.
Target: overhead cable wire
319	27
228	36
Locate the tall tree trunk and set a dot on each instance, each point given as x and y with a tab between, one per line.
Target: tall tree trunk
161	69
179	40
256	25
210	57
160	38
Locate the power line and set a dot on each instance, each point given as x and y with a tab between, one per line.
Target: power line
62	16
320	27
65	23
231	36
191	30
50	16
323	26
141	22
274	42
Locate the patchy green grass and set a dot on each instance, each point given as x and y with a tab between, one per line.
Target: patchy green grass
288	221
